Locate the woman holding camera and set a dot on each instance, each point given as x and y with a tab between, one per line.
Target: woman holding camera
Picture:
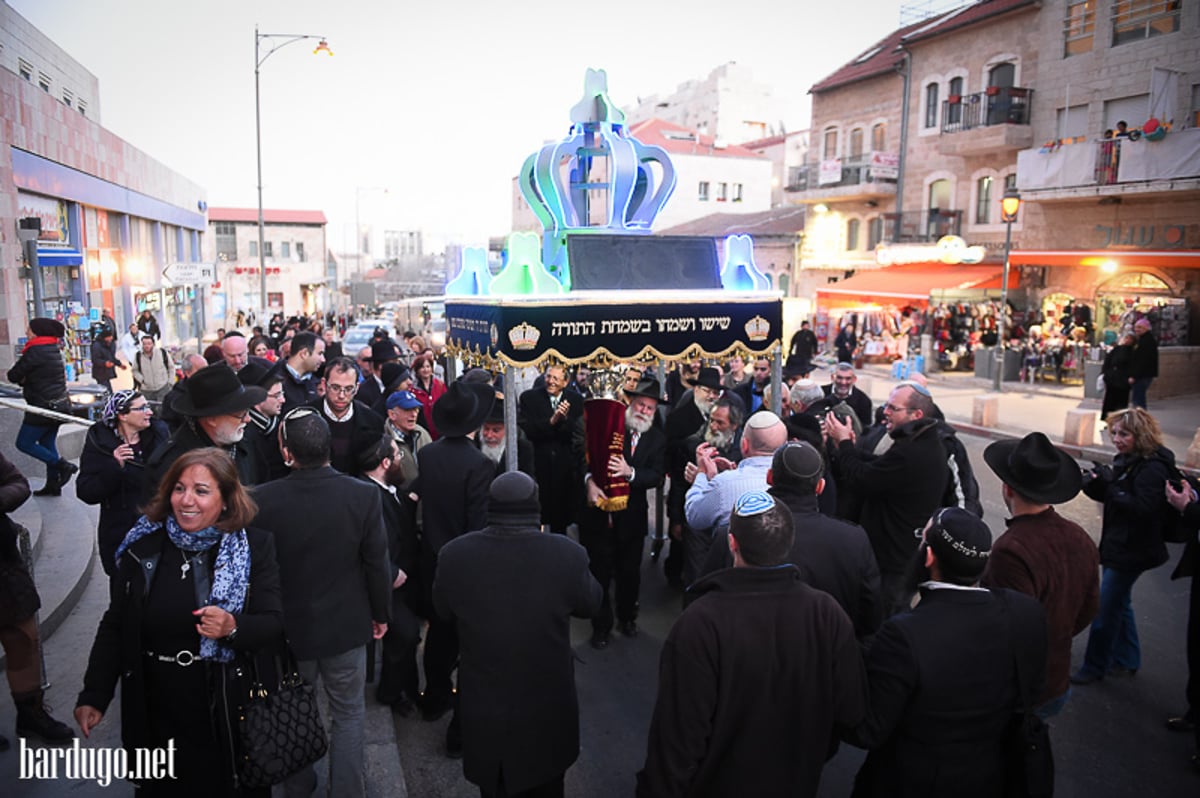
182	623
1131	541
112	466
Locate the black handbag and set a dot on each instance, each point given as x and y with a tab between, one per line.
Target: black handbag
279	730
1028	758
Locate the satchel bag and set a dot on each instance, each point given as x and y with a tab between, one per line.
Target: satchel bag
280	730
1028	758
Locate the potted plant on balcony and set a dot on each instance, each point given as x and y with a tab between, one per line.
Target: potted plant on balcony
954	99
1013	91
992	91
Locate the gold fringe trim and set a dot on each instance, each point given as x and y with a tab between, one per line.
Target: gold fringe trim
614	505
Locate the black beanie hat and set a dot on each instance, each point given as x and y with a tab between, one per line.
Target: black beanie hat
961	541
513	501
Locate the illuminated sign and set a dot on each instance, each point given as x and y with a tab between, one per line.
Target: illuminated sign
948	249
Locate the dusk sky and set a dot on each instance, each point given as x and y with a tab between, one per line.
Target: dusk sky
437	102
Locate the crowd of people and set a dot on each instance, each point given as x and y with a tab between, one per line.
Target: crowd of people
837	580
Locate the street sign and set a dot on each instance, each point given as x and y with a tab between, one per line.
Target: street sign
191	273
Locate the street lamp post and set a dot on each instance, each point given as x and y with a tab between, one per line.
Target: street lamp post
1009	205
282	40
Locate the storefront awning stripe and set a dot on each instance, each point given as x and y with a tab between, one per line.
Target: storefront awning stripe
1161	258
59	257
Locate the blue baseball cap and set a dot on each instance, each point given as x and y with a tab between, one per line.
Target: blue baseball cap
404	400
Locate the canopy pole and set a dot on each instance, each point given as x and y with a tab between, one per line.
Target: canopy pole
510	418
777	381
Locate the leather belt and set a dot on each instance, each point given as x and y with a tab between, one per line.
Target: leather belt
182	659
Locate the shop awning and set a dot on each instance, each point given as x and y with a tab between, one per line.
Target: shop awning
1160	258
59	256
916	281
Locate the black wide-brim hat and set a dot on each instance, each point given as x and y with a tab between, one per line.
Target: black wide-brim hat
648	387
708	377
384	351
50	328
1035	468
215	391
796	367
463	408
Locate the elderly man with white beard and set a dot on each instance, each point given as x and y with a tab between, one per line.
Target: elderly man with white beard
614	540
493	442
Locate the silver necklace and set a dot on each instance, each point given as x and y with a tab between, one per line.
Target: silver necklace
187	563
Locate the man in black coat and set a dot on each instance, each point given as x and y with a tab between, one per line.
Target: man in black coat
216	408
336	582
398	679
731	719
298	371
899	489
944	679
804	344
354	426
512	591
452	485
687	419
371	388
841	388
1144	365
614	539
548	416
830	554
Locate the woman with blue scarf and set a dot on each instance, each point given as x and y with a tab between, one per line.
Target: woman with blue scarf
183	623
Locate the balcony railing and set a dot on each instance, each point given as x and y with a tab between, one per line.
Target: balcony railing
837	173
921	226
997	105
1111	162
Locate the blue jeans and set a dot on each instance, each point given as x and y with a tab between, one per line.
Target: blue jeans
37	441
344	679
1138	391
1113	641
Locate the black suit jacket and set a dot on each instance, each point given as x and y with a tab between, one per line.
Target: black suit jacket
333	558
403	542
858	401
649	466
365	431
453	486
943	691
554	463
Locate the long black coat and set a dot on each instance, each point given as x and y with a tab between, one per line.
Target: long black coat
453	486
899	489
743	709
117	489
333	561
649	462
118	654
512	592
554	464
1118	364
43	379
943	690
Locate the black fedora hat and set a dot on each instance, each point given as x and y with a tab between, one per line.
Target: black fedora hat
496	415
393	374
796	367
384	351
253	373
1035	468
214	391
648	387
462	408
709	377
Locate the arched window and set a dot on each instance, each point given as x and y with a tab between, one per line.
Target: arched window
931	105
939	195
879	137
784	283
983	200
856	143
954	102
1002	75
830	150
852	227
874	232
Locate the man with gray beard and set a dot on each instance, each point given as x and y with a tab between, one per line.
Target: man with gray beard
614	539
493	442
723	431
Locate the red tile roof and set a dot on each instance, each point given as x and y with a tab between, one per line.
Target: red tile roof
967	15
270	216
678	140
785	221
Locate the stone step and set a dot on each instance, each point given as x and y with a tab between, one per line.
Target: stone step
63	532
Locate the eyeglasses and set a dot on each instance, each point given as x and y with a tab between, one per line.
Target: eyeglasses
275	395
291	415
341	390
891	408
141	409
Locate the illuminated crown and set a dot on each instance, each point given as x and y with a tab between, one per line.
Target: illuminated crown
758	328
598	159
524	336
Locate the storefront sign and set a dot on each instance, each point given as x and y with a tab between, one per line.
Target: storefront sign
948	249
1168	236
884	166
830	172
52	213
